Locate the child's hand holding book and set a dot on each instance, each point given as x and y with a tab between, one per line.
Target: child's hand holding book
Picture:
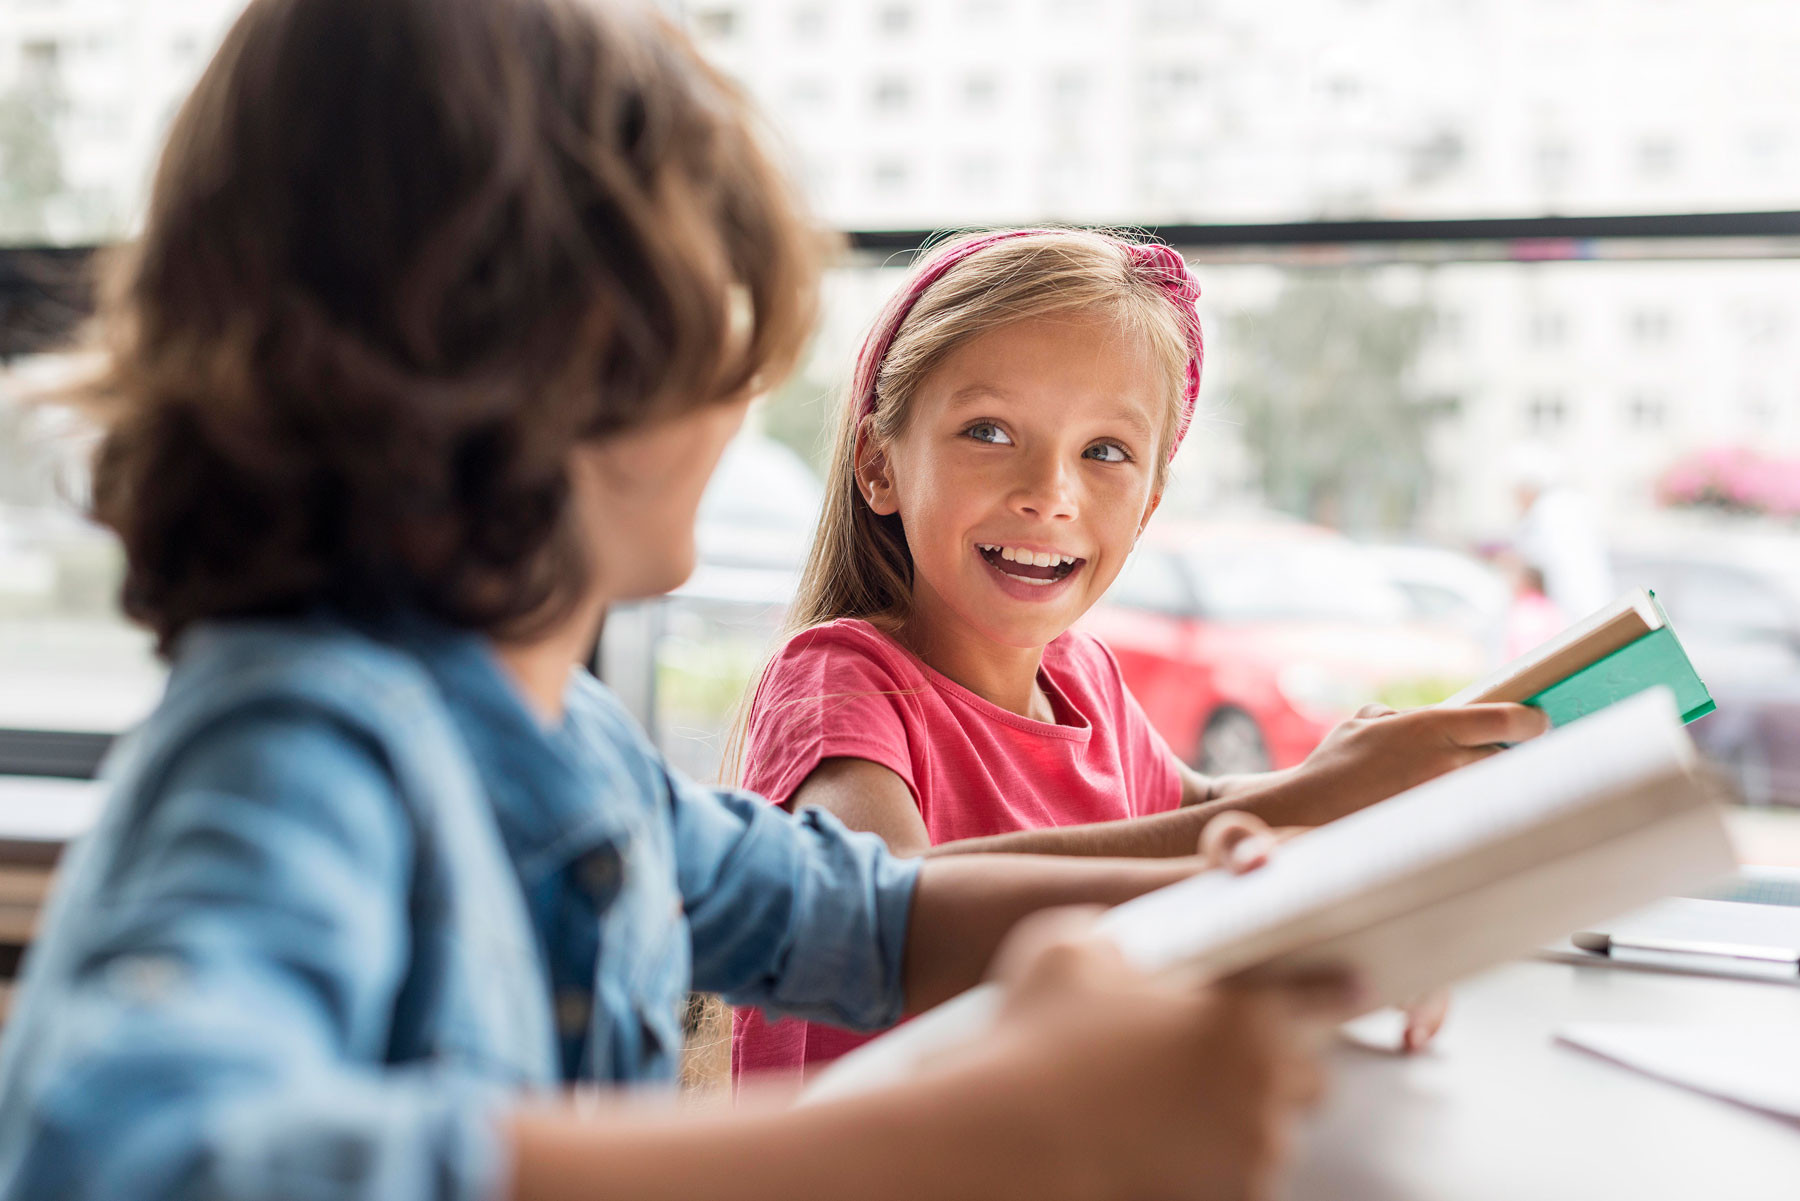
1380	753
1113	1060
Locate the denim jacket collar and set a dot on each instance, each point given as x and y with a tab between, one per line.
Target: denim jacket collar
541	790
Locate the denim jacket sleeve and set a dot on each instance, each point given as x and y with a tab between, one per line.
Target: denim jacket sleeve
796	915
221	1028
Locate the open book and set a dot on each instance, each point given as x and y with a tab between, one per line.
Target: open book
1470	869
1618	652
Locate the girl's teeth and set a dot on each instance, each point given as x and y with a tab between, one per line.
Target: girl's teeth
1032	558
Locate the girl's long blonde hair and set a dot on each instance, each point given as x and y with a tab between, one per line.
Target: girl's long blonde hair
859	565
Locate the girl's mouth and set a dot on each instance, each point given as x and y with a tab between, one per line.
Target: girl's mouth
1031	568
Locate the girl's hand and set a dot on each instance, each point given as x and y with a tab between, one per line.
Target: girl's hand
1424	1018
1242	842
1142	1087
1379	753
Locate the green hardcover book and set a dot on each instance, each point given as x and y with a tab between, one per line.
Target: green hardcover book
1616	653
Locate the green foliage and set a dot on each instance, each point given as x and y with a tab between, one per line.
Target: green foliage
1322	381
799	415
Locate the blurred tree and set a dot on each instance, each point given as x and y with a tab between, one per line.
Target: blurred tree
800	413
31	178
1323	382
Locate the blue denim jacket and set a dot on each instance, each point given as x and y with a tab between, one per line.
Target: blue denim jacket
349	897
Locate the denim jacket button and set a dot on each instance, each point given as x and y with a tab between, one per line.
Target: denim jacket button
574	1009
601	872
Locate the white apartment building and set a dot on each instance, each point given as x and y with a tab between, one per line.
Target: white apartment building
927	113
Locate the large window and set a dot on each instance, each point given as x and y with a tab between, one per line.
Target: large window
1406	385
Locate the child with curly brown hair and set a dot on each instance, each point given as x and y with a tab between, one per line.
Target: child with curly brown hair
441	316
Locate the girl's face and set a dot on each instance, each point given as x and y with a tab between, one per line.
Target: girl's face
1024	473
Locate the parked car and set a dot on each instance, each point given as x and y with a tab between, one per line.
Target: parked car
1735	604
1448	587
1246	642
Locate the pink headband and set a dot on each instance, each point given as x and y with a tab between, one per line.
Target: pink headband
1155	260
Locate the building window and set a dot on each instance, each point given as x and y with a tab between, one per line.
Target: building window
1069	89
807	95
1651	327
894	19
1546	412
1647	411
1447	327
1170	85
980	91
1656	158
1548	328
39	61
716	23
890	176
892	94
1554	159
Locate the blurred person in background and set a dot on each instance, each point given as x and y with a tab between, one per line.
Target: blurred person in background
1559	534
1532	618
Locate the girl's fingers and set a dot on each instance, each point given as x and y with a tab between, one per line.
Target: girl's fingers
1489	725
1374	710
1238	841
1424	1018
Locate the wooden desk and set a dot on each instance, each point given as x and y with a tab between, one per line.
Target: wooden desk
1498	1111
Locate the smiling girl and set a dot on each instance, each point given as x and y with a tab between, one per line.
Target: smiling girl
1006	439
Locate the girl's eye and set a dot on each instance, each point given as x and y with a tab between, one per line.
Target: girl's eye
987	431
1106	452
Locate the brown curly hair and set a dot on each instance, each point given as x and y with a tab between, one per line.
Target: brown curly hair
400	256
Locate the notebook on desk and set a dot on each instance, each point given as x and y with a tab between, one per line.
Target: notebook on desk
1470	869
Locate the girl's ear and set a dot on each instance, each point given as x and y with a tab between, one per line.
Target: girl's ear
872	479
1149	512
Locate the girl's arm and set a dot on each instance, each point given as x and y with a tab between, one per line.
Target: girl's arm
1374	755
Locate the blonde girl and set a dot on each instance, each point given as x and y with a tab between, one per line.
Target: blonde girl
1007	437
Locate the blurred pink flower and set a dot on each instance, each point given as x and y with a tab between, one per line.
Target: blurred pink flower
1734	478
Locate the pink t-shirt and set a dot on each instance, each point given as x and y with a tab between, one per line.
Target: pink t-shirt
846	690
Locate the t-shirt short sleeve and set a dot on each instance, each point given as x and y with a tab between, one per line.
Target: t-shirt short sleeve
839	690
1151	775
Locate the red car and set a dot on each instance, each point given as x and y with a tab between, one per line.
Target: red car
1245	643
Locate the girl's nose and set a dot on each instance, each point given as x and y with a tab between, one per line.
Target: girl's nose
1045	492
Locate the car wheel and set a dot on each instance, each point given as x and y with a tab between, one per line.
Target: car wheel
1232	743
